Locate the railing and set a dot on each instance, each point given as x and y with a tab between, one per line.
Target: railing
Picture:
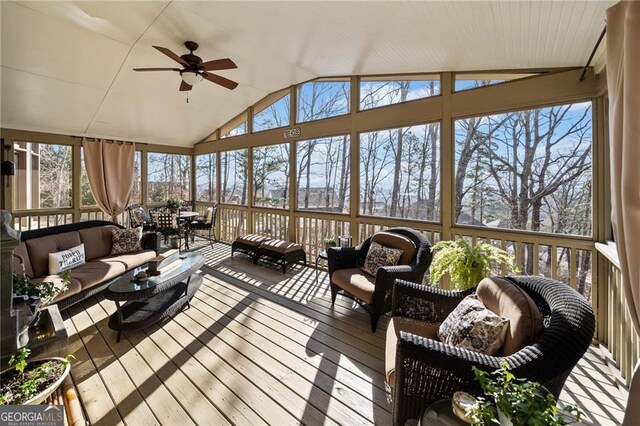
616	331
45	218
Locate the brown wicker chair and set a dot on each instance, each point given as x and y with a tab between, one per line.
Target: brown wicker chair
427	370
345	263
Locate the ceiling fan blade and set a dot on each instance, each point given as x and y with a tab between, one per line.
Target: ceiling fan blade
184	87
157	69
219	64
224	82
172	55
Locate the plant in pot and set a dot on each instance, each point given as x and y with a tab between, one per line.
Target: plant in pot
175	204
33	382
514	401
329	242
467	264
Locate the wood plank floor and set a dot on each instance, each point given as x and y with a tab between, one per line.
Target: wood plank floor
258	347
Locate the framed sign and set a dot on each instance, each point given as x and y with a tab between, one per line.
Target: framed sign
292	133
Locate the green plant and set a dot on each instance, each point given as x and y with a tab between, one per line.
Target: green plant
20	359
467	264
522	401
175	203
330	241
22	285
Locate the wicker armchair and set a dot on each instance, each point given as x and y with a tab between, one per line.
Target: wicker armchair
427	370
378	297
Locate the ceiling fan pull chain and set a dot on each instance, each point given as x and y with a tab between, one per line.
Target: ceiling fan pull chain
187	97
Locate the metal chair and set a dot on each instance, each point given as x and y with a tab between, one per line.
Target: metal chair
138	216
207	223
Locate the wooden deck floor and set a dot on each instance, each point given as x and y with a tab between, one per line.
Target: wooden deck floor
258	347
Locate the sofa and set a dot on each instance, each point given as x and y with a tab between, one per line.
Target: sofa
31	256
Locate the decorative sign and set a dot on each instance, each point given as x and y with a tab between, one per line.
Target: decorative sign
291	133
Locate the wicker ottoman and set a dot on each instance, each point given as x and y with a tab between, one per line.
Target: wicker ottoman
282	253
248	244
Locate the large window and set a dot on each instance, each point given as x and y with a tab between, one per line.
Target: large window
43	175
240	129
271	176
400	172
272	114
323	174
168	177
323	99
136	194
528	170
233	177
376	92
466	81
206	177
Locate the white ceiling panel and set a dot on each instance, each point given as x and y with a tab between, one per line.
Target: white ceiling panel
275	44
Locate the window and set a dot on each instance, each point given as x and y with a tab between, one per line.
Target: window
272	114
473	81
528	170
376	92
400	172
271	176
233	177
323	99
43	175
136	195
323	174
168	177
206	177
240	129
86	196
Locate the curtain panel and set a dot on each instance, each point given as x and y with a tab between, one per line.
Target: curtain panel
110	170
623	81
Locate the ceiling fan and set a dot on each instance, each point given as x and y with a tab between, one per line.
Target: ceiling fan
194	70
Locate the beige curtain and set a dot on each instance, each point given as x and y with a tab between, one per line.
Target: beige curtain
623	80
109	168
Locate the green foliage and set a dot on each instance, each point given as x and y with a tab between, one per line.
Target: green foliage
524	402
175	203
20	359
467	265
22	285
330	241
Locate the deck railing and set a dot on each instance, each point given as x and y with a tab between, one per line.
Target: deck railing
45	218
615	330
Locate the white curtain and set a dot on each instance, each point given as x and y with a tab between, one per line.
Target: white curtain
623	80
110	171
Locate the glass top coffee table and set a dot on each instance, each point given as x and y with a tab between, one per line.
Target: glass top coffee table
147	302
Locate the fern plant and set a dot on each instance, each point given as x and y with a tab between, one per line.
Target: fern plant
467	264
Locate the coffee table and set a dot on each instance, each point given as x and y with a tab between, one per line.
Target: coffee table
150	301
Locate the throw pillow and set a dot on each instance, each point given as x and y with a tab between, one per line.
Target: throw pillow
126	240
66	259
472	326
141	216
379	255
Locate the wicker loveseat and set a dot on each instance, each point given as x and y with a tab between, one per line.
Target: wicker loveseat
427	370
100	269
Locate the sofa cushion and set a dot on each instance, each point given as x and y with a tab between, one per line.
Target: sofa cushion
396	325
379	256
474	327
39	249
397	241
23	261
66	259
510	301
97	241
355	282
97	271
280	246
131	260
73	287
252	239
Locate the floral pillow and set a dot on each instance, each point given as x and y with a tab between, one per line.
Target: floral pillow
378	256
474	327
126	240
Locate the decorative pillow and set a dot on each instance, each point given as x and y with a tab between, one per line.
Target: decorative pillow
126	240
66	259
472	326
378	256
141	216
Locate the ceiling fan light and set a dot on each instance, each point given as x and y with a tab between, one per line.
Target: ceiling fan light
191	77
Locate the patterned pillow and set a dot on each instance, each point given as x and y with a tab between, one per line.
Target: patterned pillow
141	216
66	259
126	240
472	326
378	256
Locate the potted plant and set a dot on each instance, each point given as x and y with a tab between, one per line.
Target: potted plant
517	402
175	204
32	383
329	242
467	265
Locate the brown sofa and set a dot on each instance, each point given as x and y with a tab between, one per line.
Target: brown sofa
100	269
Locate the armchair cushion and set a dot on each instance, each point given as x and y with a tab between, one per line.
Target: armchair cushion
355	282
474	327
378	256
397	241
510	301
396	325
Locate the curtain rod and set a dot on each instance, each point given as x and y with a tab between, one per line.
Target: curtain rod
593	52
109	140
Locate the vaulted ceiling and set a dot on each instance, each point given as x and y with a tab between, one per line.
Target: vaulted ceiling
67	66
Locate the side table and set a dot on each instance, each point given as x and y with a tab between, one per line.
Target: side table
321	256
440	413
